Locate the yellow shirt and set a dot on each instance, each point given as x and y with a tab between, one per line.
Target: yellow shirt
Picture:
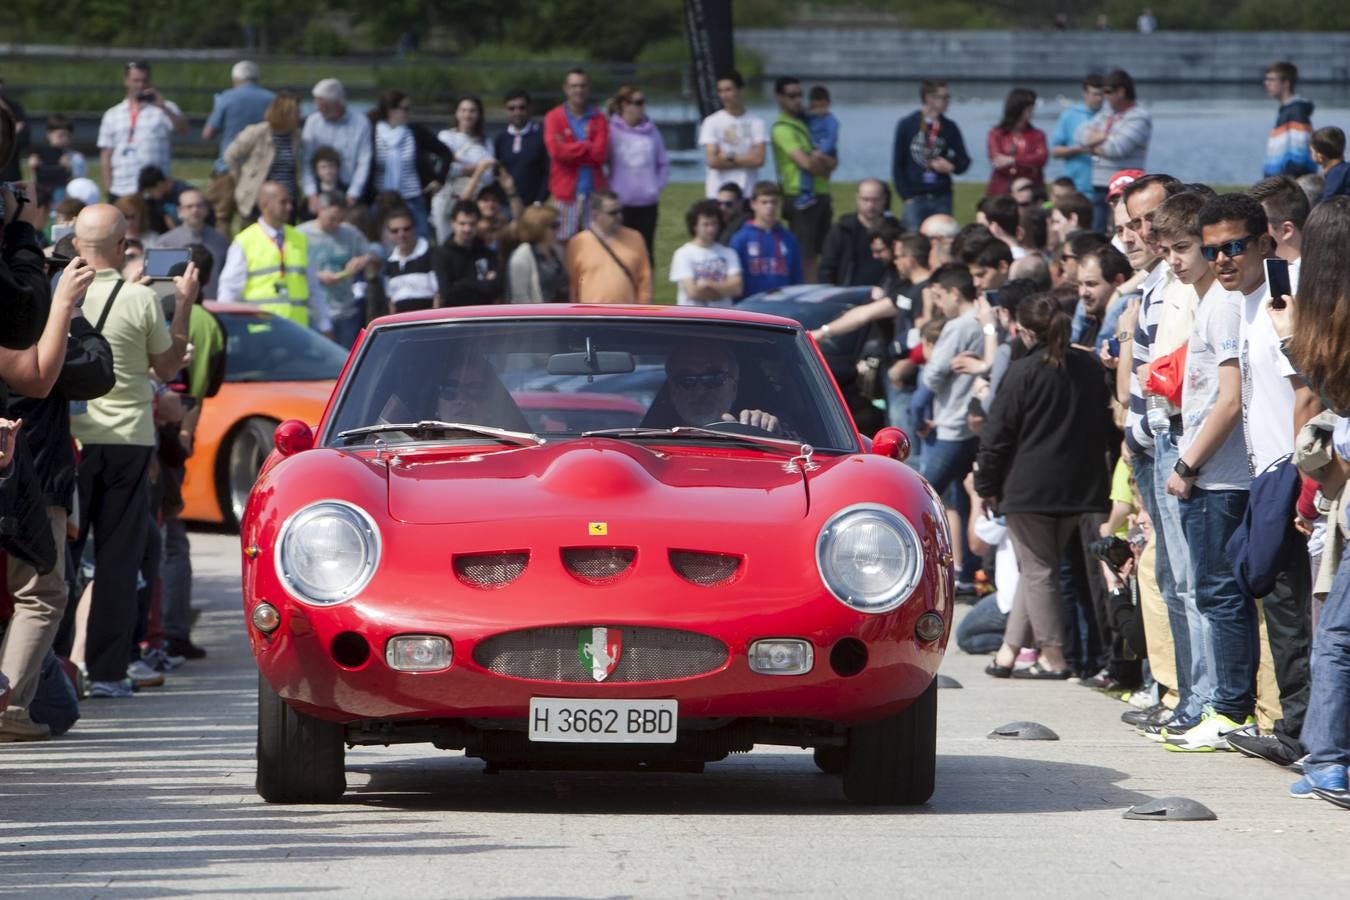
597	278
134	330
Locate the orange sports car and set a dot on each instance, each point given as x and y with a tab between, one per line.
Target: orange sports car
274	370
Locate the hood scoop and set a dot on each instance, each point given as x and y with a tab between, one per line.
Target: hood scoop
593	473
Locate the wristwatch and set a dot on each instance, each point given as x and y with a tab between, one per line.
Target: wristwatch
989	329
1185	470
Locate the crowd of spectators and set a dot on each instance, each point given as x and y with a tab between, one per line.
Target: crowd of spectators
1139	442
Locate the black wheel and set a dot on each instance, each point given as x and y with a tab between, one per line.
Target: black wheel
892	761
830	760
241	458
301	759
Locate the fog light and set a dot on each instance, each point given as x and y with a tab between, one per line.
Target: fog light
266	618
418	653
781	657
929	627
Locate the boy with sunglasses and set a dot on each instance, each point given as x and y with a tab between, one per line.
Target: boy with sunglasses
1212	248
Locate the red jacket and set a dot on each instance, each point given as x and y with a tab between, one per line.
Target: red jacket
567	154
1029	152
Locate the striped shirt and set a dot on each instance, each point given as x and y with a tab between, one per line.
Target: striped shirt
1138	435
136	142
395	161
283	161
410	281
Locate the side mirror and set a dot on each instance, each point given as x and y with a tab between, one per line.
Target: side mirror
892	442
293	436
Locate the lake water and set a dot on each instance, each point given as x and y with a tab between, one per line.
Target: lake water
1200	133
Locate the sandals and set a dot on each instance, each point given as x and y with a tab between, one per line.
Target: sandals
1037	672
994	670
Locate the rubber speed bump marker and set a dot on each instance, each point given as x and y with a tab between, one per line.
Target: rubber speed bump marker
1171	809
946	681
1022	731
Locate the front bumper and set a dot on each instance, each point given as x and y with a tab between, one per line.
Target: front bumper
301	662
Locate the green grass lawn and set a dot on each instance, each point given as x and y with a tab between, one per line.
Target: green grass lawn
670	229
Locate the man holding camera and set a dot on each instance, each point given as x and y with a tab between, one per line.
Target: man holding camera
136	133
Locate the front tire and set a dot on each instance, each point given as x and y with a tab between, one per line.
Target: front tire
301	759
893	761
241	460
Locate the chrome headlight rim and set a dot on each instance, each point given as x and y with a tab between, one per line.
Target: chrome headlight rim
910	578
366	525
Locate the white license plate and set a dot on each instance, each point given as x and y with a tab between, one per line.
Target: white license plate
603	721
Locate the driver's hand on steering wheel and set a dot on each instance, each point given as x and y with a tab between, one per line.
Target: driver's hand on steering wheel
756	418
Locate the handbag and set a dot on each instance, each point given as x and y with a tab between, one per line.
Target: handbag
1167	375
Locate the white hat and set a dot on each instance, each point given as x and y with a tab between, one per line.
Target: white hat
84	190
330	89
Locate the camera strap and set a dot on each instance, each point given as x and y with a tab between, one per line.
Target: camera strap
107	306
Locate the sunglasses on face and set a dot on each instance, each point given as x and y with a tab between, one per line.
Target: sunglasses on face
1230	249
403	230
726	204
793	95
452	390
640	101
706	380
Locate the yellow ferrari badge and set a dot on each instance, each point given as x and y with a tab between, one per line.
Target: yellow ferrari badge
597	529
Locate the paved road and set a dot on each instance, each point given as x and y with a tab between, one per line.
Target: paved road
153	797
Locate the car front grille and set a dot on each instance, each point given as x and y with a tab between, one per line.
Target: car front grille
646	654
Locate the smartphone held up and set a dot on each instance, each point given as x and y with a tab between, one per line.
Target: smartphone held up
1277	280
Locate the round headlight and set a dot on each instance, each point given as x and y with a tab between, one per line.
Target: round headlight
869	557
328	552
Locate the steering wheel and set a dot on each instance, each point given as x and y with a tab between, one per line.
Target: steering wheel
740	428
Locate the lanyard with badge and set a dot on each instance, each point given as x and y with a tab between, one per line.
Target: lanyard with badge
130	149
930	144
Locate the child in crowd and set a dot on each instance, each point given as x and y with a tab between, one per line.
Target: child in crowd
824	128
1328	151
56	164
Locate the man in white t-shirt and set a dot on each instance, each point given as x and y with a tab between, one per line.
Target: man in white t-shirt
707	273
1275	404
733	141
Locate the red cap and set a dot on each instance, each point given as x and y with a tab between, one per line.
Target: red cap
1119	181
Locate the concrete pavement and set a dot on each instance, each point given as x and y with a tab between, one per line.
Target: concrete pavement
153	797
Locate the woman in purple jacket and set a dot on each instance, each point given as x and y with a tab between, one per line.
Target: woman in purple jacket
638	166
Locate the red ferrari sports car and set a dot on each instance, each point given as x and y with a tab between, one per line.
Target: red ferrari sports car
558	535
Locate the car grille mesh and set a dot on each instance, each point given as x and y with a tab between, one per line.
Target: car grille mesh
646	654
706	569
490	570
598	565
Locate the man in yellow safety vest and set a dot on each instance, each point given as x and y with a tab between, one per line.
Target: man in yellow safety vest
268	265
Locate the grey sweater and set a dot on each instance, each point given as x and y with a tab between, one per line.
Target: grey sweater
1126	144
952	391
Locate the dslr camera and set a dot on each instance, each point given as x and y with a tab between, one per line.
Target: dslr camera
1112	551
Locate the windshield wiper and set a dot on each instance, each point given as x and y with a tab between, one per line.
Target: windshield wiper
784	445
519	438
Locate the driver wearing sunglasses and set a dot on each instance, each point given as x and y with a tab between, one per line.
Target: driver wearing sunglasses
703	382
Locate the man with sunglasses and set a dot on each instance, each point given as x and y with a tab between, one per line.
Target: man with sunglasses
1118	137
703	381
803	175
608	262
520	148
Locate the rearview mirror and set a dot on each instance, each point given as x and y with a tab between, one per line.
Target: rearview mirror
892	442
292	437
591	362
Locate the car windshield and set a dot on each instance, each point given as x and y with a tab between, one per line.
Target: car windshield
264	347
563	377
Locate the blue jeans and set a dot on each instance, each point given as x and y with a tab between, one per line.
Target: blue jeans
899	415
1190	630
946	464
981	631
175	573
418	207
1210	518
921	206
1326	730
347	326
